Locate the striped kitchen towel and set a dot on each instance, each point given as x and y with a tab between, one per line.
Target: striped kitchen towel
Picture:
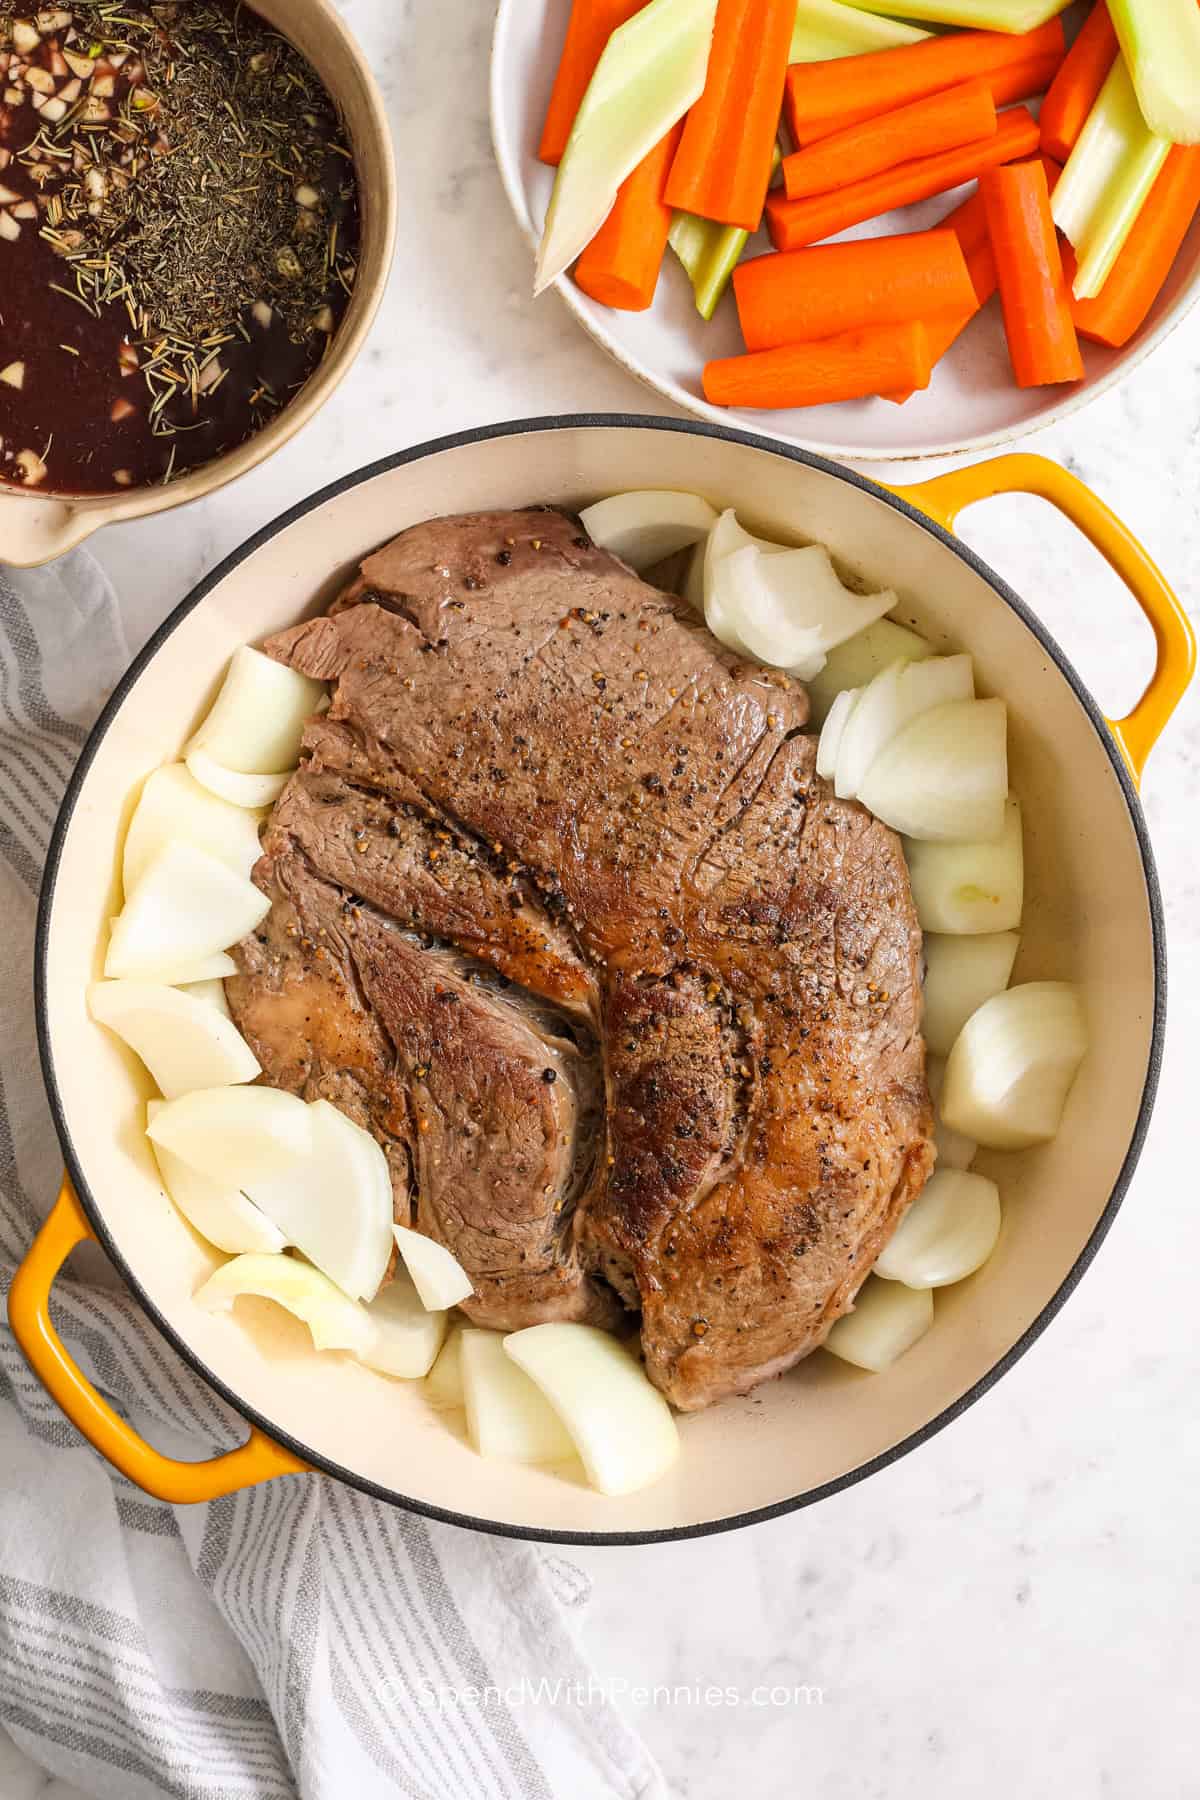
294	1639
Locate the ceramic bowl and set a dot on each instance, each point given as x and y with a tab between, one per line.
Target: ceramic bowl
972	402
35	527
825	1424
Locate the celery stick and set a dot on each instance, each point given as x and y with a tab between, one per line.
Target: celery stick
651	72
826	29
709	252
1160	40
1106	180
985	15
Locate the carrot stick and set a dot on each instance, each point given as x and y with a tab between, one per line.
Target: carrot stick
882	80
968	222
794	223
620	266
591	25
1137	276
960	115
1076	87
1042	345
846	367
1022	80
944	329
724	161
836	288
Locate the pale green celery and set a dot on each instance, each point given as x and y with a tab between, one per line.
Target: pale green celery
985	15
651	72
1107	178
709	252
826	29
1160	40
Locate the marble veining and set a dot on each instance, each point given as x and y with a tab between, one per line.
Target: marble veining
1014	1607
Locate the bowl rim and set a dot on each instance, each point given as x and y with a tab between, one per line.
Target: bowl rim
509	165
385	465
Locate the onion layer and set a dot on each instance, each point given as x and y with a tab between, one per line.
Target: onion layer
948	1232
887	1320
1011	1069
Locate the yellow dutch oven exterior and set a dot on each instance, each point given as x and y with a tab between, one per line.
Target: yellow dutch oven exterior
825	1425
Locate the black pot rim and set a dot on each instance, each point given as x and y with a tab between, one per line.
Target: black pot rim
626	422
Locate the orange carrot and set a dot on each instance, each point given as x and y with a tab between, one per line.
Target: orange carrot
724	161
959	115
1042	345
881	80
944	329
836	288
620	266
794	223
1121	306
856	363
1022	80
591	25
968	222
1074	89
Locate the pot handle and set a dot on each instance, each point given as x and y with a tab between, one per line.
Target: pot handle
945	496
182	1483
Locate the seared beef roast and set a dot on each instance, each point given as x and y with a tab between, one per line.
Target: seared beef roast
562	913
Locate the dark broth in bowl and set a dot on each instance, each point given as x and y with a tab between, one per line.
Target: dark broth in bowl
178	237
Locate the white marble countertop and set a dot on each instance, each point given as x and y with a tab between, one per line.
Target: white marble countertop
1013	1607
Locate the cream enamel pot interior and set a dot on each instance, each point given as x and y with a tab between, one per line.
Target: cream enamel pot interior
825	1424
36	527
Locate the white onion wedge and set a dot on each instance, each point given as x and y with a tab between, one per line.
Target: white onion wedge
954	1149
249	791
1012	1066
507	1416
834	730
256	720
960	974
862	657
335	1203
185	905
964	889
444	1382
948	1232
184	1043
887	1320
645	527
438	1276
621	1425
405	1336
787	607
898	694
205	972
223	1215
946	775
235	1135
740	596
172	804
725	537
335	1322
212	993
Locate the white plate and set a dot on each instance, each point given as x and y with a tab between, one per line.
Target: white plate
972	402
